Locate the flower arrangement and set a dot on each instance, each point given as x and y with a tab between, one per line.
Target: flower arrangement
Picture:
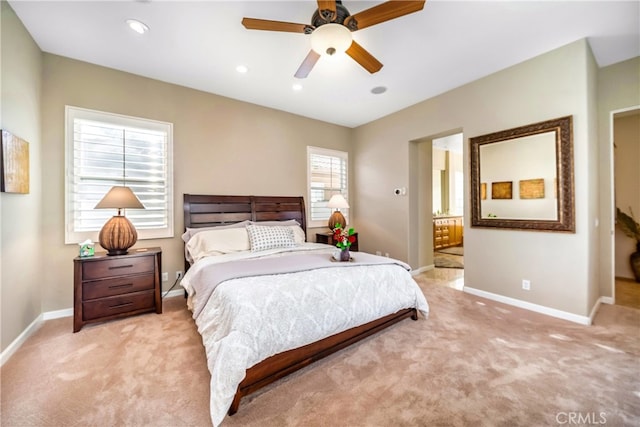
343	237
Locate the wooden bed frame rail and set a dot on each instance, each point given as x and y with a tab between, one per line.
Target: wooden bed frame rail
208	211
283	364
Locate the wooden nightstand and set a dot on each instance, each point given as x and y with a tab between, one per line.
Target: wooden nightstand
110	287
328	239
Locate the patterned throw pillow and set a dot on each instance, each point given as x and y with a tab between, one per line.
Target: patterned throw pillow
263	237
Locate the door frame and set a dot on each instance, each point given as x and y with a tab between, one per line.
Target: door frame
612	193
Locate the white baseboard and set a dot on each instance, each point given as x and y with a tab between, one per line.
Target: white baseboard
422	269
594	310
175	293
57	314
596	307
583	320
49	315
15	345
607	300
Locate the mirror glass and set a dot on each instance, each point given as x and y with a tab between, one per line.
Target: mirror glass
523	177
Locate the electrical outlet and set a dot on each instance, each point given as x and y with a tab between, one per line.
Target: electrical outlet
526	284
378	253
179	274
165	276
386	254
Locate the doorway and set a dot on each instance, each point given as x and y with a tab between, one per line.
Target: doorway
448	209
421	201
626	191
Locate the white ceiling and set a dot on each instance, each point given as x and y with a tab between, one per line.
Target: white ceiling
198	44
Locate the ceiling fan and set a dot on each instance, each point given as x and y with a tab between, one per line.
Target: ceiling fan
331	27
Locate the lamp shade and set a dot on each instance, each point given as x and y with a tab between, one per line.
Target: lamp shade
119	198
338	201
118	234
329	39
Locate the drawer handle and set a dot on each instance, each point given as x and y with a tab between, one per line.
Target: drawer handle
113	307
121	266
126	285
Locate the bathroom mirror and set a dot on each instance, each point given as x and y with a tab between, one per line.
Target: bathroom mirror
522	178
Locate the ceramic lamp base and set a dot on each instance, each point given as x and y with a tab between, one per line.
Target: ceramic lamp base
337	218
118	235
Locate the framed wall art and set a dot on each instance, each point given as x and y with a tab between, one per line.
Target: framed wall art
502	190
532	188
14	164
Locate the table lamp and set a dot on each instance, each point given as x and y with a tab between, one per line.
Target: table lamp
118	234
338	202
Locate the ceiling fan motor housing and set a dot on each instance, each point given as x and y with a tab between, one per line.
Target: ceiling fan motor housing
342	13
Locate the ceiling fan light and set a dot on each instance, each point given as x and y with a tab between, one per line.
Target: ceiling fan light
329	39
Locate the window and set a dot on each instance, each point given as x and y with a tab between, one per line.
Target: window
327	175
104	150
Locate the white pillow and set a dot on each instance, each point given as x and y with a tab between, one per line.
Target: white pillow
264	237
217	241
193	231
298	233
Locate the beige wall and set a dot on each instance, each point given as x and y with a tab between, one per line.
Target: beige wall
627	184
552	85
221	146
21	249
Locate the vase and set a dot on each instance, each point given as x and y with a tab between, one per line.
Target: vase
344	254
634	260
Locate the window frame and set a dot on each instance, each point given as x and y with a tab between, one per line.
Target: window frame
71	113
343	155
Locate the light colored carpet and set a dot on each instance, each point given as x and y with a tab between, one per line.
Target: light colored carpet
473	362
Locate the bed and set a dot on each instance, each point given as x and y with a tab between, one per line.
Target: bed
266	309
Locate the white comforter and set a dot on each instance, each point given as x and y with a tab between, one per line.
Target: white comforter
247	320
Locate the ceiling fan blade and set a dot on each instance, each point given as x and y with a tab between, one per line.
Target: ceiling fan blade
383	12
364	58
327	9
264	24
307	65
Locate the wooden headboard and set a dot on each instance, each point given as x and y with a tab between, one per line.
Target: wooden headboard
210	211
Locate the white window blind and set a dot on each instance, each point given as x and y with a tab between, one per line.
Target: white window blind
104	150
327	175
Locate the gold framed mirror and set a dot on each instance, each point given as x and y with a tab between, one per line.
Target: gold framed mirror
522	178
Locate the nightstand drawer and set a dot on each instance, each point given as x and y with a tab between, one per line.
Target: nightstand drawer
115	305
118	286
117	267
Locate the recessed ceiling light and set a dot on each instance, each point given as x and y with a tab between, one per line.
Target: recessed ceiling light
378	90
242	69
137	26
296	86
